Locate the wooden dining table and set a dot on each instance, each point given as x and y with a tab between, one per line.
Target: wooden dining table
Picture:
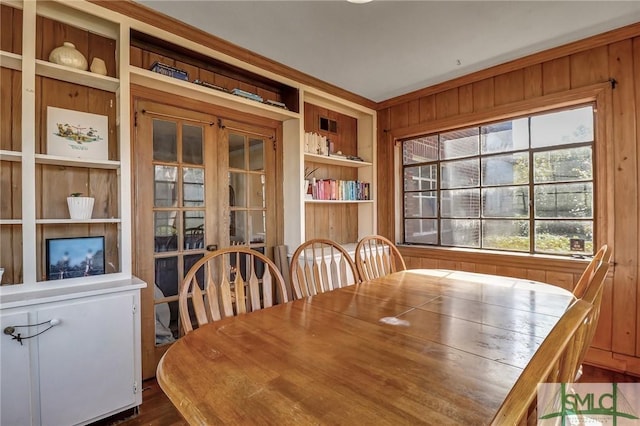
419	346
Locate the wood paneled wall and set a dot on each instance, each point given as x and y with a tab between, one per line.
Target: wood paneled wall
11	34
614	55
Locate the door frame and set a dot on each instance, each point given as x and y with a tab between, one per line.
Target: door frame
151	354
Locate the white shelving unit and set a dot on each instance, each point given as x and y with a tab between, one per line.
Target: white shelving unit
294	162
92	18
56	366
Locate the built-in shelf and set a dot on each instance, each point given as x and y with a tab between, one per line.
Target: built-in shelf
10	155
76	162
70	221
10	60
10	221
75	76
205	94
334	160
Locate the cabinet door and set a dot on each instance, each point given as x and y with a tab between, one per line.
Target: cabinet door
15	373
87	361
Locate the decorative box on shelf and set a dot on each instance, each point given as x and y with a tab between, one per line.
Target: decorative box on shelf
248	95
275	103
170	71
210	85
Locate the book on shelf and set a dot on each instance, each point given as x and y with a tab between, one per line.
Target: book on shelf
340	190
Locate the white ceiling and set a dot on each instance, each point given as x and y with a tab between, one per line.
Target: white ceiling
387	48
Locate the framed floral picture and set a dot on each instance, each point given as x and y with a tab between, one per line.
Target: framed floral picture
77	134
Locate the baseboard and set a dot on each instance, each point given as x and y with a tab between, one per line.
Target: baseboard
613	361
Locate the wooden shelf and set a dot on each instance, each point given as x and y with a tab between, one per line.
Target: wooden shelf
72	221
205	94
76	162
333	160
10	60
75	76
10	155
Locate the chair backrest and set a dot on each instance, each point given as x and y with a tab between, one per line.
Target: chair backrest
228	282
593	295
555	361
602	255
377	256
321	265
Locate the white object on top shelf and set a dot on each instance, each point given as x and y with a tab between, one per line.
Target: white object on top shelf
67	55
315	143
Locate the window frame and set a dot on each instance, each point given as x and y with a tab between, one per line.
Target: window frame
598	95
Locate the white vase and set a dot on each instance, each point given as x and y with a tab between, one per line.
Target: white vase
80	207
98	66
69	56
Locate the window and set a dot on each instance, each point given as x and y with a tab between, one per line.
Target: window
524	185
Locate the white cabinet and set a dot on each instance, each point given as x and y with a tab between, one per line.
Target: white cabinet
83	368
15	373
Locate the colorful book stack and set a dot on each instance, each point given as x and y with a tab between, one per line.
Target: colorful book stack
343	190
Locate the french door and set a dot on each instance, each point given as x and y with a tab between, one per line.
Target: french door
200	183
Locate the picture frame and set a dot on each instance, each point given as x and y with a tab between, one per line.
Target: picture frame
74	257
77	134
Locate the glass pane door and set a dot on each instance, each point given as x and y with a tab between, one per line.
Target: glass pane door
179	211
247	190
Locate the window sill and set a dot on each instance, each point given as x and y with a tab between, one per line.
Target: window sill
503	259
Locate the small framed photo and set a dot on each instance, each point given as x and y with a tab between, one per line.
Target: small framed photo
77	134
74	257
576	244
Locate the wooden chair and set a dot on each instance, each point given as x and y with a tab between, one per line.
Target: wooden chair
321	265
602	255
555	361
592	295
228	282
377	256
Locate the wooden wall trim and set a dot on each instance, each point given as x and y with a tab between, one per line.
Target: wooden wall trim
502	112
149	93
144	14
603	39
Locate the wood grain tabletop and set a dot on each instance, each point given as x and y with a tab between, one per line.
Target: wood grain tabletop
418	346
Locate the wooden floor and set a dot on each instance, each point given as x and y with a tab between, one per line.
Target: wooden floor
157	410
